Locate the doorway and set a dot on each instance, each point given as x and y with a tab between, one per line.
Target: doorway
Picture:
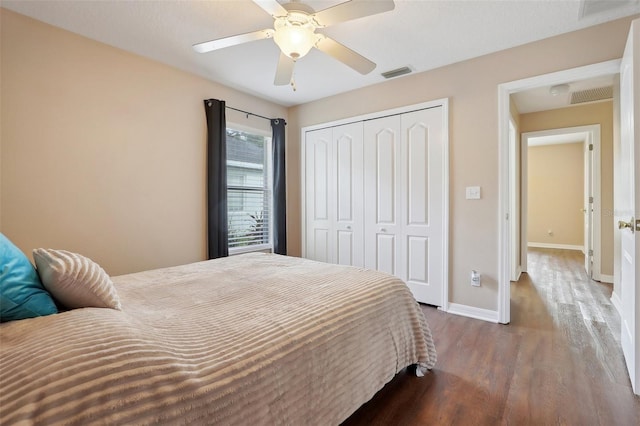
504	113
587	154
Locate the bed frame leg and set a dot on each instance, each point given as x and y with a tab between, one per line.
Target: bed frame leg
416	370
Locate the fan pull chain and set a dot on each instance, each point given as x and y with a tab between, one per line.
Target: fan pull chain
293	84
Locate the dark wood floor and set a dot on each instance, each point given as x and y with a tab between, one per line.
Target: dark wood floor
558	362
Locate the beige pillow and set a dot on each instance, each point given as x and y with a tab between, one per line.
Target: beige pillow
74	280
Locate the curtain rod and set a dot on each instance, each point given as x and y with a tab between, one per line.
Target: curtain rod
249	113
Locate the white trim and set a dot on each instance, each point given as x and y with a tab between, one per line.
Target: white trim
504	112
606	279
252	248
445	204
524	196
514	206
518	273
617	302
473	312
556	246
504	225
444	104
245	165
379	114
248	129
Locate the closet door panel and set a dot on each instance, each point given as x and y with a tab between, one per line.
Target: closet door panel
417	252
422	223
385	176
385	253
382	187
346	248
321	245
417	158
318	169
349	227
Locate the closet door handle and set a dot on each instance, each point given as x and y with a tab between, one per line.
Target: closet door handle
348	227
383	230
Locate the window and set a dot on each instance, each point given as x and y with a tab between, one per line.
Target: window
249	190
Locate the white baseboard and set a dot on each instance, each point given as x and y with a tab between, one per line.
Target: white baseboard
556	246
518	273
606	279
615	299
473	312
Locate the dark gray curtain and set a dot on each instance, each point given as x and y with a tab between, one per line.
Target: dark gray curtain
217	226
279	187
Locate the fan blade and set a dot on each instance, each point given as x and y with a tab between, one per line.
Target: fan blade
221	43
284	71
272	7
353	9
345	55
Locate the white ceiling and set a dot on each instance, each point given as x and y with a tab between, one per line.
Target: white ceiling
420	34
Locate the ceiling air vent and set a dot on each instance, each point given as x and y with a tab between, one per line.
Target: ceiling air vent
596	7
591	95
396	73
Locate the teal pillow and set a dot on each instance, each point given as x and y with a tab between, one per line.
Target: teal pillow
21	292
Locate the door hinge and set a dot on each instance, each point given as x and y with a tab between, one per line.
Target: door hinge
591	252
590	147
591	200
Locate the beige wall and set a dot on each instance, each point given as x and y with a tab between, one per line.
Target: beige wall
596	113
556	194
471	87
103	151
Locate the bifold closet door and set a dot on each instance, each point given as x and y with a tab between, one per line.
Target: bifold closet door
318	170
374	197
403	200
349	222
333	195
382	190
422	223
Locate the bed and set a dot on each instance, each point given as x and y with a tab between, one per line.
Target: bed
249	339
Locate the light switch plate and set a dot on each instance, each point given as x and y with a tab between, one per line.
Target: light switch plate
473	193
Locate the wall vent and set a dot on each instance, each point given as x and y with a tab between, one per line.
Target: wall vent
396	73
591	95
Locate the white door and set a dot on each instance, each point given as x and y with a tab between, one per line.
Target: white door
422	195
403	199
348	208
628	202
318	169
382	189
587	209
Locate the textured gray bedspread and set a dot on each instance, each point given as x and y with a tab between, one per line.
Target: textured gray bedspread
248	340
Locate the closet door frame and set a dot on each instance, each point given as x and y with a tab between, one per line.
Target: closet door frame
444	104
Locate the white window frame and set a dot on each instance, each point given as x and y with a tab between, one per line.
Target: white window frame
268	247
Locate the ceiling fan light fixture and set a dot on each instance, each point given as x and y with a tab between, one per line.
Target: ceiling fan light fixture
294	35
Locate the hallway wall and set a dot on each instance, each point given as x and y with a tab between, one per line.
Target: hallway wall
582	115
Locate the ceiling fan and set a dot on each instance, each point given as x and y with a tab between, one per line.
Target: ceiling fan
294	31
